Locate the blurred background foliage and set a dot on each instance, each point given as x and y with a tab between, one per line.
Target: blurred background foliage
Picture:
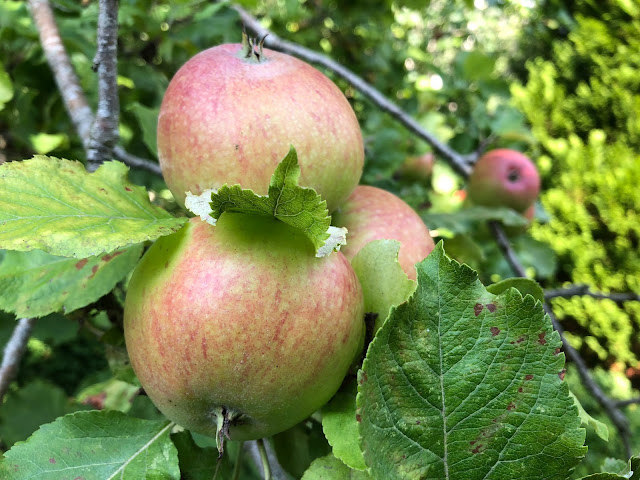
554	79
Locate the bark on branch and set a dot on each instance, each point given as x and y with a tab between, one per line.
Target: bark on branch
13	352
68	83
104	132
585	291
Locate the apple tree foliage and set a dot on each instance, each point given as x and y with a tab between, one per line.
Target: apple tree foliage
459	380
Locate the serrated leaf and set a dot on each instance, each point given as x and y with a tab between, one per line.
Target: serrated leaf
463	384
525	286
383	281
330	468
587	420
341	427
299	207
100	445
35	283
56	206
614	465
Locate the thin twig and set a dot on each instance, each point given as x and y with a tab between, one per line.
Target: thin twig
585	291
104	132
266	469
68	83
610	407
624	403
13	352
461	163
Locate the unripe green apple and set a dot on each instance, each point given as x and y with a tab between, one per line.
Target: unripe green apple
504	178
371	213
241	320
230	118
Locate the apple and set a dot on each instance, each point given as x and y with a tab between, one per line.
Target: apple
418	169
505	178
241	321
229	115
371	213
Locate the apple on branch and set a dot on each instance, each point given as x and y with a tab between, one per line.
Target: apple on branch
371	213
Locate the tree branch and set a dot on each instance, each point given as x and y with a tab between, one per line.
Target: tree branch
104	132
13	352
624	403
68	83
585	291
610	407
65	76
459	162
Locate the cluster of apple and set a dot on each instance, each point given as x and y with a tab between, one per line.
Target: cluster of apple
238	330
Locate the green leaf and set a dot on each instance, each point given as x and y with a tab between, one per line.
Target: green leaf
57	206
148	121
460	383
340	426
383	281
300	207
44	143
6	87
587	420
24	410
614	465
94	445
111	394
525	286
35	283
200	463
330	468
300	445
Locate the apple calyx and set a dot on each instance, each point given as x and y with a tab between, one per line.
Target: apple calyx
249	45
225	417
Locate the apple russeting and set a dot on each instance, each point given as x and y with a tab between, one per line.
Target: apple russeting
371	213
231	113
239	328
504	178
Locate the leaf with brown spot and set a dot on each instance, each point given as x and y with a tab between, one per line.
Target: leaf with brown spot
440	377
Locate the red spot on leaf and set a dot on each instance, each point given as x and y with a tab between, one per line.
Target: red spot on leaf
477	449
520	340
494	331
110	256
404	457
417	422
562	374
96	401
128	189
520	390
511	406
81	263
52	460
358	418
477	308
528	377
94	270
557	351
363	377
541	339
491	307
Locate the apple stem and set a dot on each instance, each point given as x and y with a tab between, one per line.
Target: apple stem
224	418
249	45
265	459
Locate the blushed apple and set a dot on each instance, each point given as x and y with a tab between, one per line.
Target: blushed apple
230	115
371	213
504	178
241	323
